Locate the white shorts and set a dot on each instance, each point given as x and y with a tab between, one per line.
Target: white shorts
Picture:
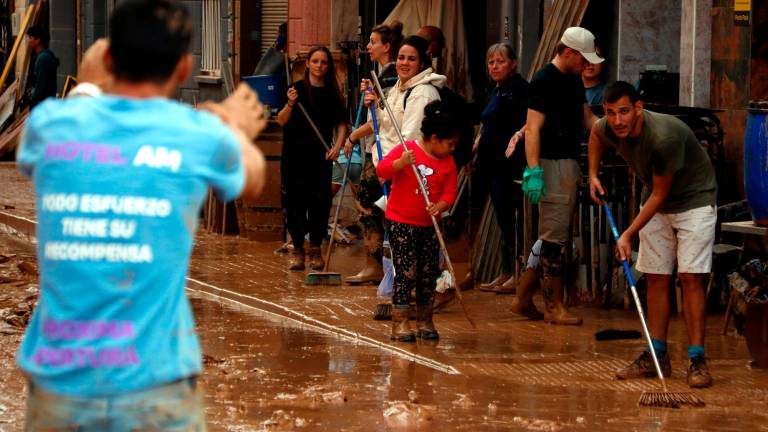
685	239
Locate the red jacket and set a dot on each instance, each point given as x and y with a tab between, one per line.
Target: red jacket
406	205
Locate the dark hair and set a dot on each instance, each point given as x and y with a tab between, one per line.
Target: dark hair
420	45
560	48
391	34
41	33
439	122
618	90
329	80
148	38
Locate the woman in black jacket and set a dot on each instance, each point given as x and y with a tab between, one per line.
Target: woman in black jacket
499	164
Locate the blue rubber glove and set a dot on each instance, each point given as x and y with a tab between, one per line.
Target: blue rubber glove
533	184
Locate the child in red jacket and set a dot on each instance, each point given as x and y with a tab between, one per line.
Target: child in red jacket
415	248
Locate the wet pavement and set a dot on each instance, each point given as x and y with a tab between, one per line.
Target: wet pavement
281	356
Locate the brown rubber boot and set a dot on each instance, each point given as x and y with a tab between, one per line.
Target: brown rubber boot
371	273
523	304
426	329
556	312
401	328
297	260
494	284
316	258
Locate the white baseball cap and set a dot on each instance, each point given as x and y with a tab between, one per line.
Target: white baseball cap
583	41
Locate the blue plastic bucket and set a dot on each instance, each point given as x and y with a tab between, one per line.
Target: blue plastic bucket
270	88
756	164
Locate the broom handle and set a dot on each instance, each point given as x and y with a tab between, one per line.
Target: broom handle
426	199
639	306
338	206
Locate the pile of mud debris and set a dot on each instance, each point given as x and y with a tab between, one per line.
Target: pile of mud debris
18	292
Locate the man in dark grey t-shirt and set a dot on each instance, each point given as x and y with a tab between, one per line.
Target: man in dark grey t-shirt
676	222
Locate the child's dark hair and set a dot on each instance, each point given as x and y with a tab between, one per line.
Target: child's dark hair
148	38
391	34
618	90
40	33
439	122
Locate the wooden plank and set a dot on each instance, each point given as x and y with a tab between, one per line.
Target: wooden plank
22	30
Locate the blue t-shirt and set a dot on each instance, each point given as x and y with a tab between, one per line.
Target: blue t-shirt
119	184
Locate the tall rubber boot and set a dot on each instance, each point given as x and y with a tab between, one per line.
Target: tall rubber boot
556	312
426	328
523	303
316	258
401	328
297	260
372	272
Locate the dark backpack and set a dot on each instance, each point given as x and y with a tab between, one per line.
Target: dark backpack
458	106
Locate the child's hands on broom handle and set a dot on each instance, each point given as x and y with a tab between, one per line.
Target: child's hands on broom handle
436	209
407	158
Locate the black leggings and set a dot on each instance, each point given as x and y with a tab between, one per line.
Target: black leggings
416	257
306	209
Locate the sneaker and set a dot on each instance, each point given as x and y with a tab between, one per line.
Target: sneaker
643	367
698	373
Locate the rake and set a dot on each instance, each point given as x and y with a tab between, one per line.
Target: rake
664	398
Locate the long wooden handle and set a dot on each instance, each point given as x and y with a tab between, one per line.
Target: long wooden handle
20	37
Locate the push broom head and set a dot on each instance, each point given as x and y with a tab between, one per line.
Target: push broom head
323	278
663	399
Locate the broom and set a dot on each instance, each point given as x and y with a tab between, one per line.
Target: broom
664	398
325	277
439	234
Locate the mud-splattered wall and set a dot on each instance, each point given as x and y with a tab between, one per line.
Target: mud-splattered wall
649	34
730	91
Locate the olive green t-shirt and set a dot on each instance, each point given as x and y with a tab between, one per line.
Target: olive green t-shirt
667	146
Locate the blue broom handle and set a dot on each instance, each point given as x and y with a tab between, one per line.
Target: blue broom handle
632	287
378	143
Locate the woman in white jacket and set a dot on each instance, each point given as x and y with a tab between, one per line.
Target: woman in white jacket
416	86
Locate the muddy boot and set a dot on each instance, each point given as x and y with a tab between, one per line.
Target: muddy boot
698	373
556	312
643	367
523	304
315	258
297	260
426	326
401	328
371	273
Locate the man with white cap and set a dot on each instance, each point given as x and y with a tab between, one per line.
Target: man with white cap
557	115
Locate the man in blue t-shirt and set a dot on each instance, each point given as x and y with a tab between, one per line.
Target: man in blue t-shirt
120	179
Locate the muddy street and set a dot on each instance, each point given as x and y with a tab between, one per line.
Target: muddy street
280	355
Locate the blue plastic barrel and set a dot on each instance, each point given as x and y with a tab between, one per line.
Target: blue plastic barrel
756	164
270	88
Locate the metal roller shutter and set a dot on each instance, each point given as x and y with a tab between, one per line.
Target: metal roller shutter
273	13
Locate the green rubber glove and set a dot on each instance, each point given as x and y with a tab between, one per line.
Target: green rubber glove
533	184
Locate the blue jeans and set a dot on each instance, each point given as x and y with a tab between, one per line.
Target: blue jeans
177	406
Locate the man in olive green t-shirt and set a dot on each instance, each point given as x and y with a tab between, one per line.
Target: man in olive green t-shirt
676	222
